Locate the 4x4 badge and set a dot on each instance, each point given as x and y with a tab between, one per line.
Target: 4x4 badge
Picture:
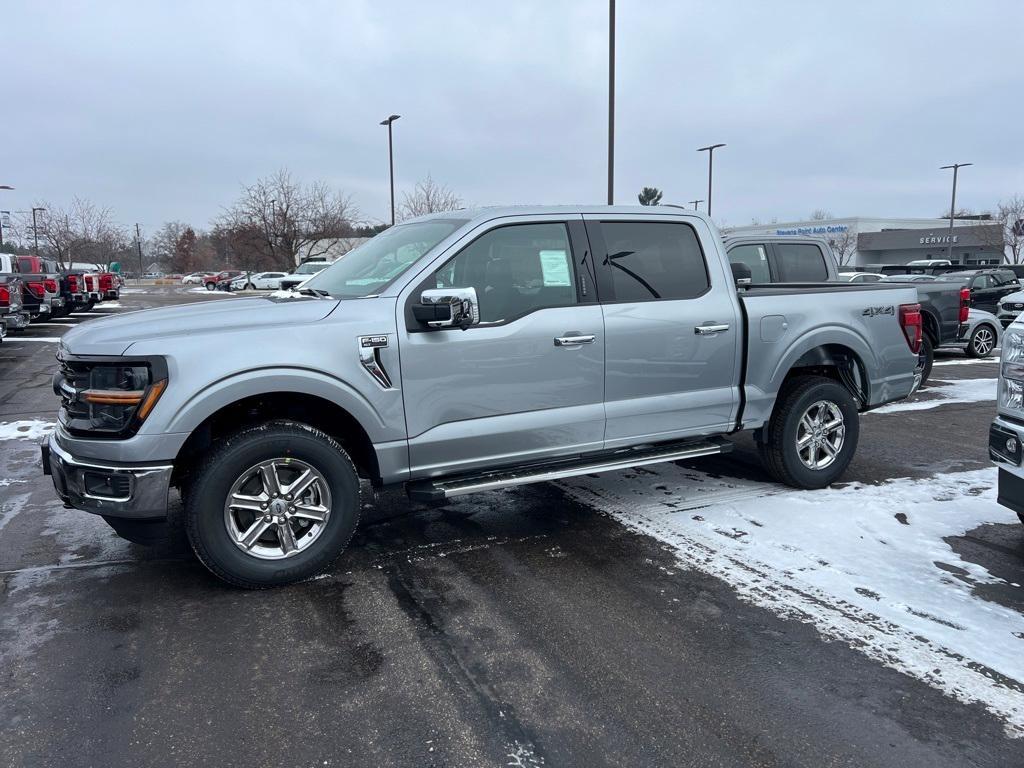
873	311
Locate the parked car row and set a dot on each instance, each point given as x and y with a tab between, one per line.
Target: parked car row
33	288
237	280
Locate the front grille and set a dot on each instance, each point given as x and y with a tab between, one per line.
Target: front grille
1017	305
73	378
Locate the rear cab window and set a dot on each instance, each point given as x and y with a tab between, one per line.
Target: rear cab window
800	263
654	260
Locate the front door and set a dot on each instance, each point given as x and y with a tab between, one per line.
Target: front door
527	382
672	327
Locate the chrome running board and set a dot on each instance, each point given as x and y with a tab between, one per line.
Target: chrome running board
441	489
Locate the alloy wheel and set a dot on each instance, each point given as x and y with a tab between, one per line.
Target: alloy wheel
277	508
820	434
983	342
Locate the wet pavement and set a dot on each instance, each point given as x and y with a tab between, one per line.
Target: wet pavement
520	628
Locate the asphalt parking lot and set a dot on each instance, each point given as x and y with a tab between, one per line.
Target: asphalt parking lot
687	614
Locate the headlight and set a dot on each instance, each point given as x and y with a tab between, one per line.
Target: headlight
1013	347
107	398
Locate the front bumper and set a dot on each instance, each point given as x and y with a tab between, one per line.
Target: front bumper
1006	449
16	321
1006	316
115	490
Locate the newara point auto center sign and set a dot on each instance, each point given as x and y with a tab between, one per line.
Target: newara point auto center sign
830	229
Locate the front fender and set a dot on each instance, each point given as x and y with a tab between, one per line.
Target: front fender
379	425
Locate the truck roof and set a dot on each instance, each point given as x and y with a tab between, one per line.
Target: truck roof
484	213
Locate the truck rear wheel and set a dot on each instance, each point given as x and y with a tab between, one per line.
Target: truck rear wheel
925	358
273	504
812	434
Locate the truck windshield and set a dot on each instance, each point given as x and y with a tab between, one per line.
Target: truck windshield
364	271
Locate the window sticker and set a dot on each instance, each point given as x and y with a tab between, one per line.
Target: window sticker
554	266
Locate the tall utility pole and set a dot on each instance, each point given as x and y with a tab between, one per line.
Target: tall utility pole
391	163
3	186
611	102
35	230
952	206
138	244
711	154
694	203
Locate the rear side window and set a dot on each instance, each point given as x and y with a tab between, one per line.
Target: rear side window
756	258
800	263
654	260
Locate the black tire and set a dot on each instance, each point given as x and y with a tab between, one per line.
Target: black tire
982	341
250	287
89	305
204	503
211	286
925	358
778	446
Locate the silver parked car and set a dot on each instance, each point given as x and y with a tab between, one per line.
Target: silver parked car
458	352
980	335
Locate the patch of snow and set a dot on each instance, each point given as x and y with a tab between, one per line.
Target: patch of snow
29	429
17	339
969	361
842	560
949	392
108	305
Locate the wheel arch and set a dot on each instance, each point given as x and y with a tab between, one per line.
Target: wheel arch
302	407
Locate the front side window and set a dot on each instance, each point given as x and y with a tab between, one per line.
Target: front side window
515	270
654	260
756	259
801	263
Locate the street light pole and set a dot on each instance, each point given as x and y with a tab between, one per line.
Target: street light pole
391	163
611	102
952	206
711	154
3	186
694	203
35	229
138	246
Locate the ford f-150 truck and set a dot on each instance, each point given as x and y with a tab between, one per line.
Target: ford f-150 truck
786	258
459	352
1006	434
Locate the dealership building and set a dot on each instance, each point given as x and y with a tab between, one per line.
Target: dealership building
867	242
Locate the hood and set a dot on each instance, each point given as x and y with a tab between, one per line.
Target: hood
114	335
1012	298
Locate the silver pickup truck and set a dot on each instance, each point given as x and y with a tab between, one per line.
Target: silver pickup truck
459	352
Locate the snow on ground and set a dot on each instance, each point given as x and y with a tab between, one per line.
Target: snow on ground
866	565
30	429
969	361
948	393
18	339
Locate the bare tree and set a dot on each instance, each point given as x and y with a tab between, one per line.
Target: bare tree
1010	215
82	232
844	245
428	197
161	246
820	214
282	218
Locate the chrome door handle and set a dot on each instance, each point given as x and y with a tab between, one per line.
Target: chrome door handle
710	328
574	341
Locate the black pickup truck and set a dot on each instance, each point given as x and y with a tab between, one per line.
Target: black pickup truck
786	259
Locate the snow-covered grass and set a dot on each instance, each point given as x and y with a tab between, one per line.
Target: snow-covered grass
29	429
947	392
866	565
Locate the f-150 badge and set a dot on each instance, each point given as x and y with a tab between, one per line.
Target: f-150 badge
373	342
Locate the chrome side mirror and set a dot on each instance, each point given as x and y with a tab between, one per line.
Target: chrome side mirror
447	308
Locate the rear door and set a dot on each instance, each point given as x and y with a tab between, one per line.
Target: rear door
984	293
672	328
527	382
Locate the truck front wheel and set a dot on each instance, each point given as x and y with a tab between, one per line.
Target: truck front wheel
273	504
812	434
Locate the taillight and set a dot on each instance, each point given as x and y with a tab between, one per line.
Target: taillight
5	296
37	289
73	283
106	282
50	285
88	282
910	321
965	304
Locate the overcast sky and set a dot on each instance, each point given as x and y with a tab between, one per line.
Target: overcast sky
161	110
